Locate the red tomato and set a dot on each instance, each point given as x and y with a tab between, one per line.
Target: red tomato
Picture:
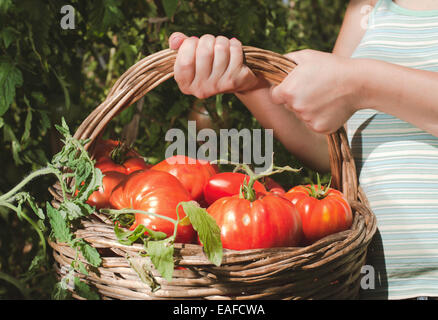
271	184
192	173
321	216
269	221
129	166
227	184
157	192
113	172
100	197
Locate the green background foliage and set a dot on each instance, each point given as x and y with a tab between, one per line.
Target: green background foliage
47	73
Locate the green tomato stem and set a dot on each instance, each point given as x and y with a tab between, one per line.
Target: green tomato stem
16	283
9	196
123	211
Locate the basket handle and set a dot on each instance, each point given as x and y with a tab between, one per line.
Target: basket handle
154	69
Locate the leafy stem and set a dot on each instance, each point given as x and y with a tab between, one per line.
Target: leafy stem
160	247
72	163
9	196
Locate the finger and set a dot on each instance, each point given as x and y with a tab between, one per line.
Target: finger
176	39
185	66
236	56
204	58
221	57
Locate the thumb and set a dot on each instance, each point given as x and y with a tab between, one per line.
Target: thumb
176	39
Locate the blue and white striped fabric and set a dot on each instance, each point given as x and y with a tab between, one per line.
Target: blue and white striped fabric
397	163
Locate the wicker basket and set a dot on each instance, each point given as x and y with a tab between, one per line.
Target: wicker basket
327	269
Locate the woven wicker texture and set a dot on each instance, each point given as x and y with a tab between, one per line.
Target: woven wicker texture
327	269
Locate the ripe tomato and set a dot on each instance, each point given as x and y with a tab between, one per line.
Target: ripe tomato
227	184
192	173
269	221
273	186
113	171
100	197
157	192
106	164
323	213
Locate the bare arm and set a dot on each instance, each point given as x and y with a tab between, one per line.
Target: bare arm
212	65
306	144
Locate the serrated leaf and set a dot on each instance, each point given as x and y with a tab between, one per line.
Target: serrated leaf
84	290
59	226
90	254
60	293
142	266
161	254
10	79
80	267
73	210
130	236
208	231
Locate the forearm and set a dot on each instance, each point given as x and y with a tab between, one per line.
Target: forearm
309	147
406	93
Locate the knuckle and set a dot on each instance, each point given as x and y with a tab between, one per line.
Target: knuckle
184	89
185	64
204	52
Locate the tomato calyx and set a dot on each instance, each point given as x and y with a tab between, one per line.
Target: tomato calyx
119	154
319	191
247	190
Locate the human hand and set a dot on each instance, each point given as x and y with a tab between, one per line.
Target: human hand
210	65
322	90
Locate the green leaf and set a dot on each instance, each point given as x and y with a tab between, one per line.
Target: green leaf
60	228
161	254
74	210
60	293
5	5
8	34
208	231
130	236
2	122
143	267
84	290
27	126
170	7
79	266
10	79
38	211
90	253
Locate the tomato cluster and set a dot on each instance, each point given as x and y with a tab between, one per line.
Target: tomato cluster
251	211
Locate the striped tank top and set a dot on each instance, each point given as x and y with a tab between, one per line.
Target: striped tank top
397	163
